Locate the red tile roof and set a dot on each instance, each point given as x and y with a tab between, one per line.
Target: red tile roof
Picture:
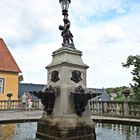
7	62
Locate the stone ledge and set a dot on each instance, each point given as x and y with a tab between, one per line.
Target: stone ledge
116	120
68	50
86	137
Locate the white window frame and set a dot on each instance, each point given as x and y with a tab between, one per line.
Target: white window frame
1	85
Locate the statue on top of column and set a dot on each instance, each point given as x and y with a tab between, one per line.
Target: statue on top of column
66	34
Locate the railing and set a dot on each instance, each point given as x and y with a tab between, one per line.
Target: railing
17	105
105	108
115	108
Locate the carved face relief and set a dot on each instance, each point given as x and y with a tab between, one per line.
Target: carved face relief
54	76
76	76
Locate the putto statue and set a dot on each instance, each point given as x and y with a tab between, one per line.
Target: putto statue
66	34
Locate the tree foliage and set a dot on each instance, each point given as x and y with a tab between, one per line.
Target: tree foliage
134	62
20	78
118	92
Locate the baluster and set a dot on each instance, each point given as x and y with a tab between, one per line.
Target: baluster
41	105
134	109
108	110
102	107
117	109
126	108
38	104
1	105
137	110
16	103
20	105
105	108
99	108
5	105
111	108
95	108
121	109
34	105
12	104
131	109
114	108
90	107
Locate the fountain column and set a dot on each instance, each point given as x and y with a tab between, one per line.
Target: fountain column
65	98
65	73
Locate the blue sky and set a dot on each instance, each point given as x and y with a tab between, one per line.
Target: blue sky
106	31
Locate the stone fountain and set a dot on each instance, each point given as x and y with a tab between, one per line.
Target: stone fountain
65	97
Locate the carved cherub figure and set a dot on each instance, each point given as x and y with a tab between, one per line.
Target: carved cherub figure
66	34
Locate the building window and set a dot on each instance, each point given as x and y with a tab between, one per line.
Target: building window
1	85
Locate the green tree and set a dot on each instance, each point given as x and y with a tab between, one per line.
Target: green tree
134	62
118	91
20	78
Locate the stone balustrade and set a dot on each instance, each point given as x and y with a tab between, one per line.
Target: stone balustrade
115	108
105	108
17	105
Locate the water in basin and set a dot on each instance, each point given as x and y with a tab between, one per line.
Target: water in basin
27	131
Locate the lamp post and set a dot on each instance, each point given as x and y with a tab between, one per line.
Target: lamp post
65	5
65	30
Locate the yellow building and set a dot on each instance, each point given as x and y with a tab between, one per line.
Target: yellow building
9	72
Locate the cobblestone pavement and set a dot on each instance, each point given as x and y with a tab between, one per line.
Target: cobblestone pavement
9	116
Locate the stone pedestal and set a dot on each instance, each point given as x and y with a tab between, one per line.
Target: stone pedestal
66	72
65	128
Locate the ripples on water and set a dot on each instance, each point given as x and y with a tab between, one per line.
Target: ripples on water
26	131
117	132
18	131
